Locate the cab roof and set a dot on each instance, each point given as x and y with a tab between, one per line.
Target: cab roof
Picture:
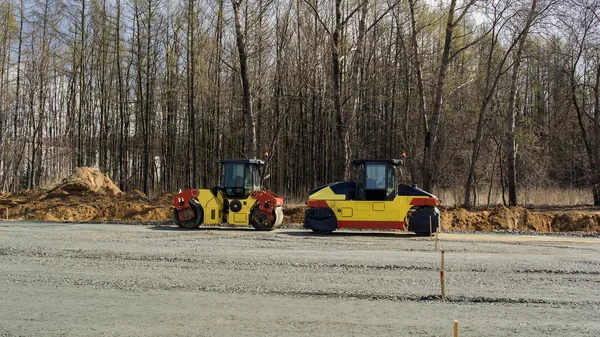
241	161
394	162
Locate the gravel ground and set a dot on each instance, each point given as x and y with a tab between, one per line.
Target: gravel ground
114	280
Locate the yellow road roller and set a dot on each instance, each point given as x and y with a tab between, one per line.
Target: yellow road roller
240	199
372	201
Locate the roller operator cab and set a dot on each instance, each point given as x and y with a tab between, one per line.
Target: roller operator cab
239	200
373	201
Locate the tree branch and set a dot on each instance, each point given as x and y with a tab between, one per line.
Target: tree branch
318	17
464	12
229	142
382	15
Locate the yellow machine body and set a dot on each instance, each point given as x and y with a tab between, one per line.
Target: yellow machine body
214	212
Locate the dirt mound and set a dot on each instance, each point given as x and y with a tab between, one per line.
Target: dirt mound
293	214
56	193
86	195
164	198
569	222
461	219
87	179
88	206
502	218
136	195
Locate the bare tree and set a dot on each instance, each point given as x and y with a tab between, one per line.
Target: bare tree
344	116
493	76
17	111
7	36
240	37
432	124
512	146
585	88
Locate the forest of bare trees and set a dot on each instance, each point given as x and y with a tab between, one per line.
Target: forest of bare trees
479	94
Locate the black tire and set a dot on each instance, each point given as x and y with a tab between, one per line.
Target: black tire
424	221
235	206
322	232
195	221
259	221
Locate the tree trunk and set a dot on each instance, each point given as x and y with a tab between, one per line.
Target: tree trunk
19	155
594	155
247	92
426	173
191	78
596	162
354	82
82	92
512	145
121	100
432	128
336	74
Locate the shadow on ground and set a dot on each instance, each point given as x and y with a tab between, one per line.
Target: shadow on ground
352	234
202	228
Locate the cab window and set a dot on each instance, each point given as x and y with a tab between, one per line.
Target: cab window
360	171
257	177
249	177
391	177
376	176
233	175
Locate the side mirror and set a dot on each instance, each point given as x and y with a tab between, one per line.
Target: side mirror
262	181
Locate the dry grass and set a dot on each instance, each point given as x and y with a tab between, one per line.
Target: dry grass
525	197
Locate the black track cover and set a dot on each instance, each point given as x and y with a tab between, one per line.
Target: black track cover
320	219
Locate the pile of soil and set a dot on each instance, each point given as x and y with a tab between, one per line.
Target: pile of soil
293	214
86	179
513	219
86	195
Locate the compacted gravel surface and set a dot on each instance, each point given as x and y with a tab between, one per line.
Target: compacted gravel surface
130	280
